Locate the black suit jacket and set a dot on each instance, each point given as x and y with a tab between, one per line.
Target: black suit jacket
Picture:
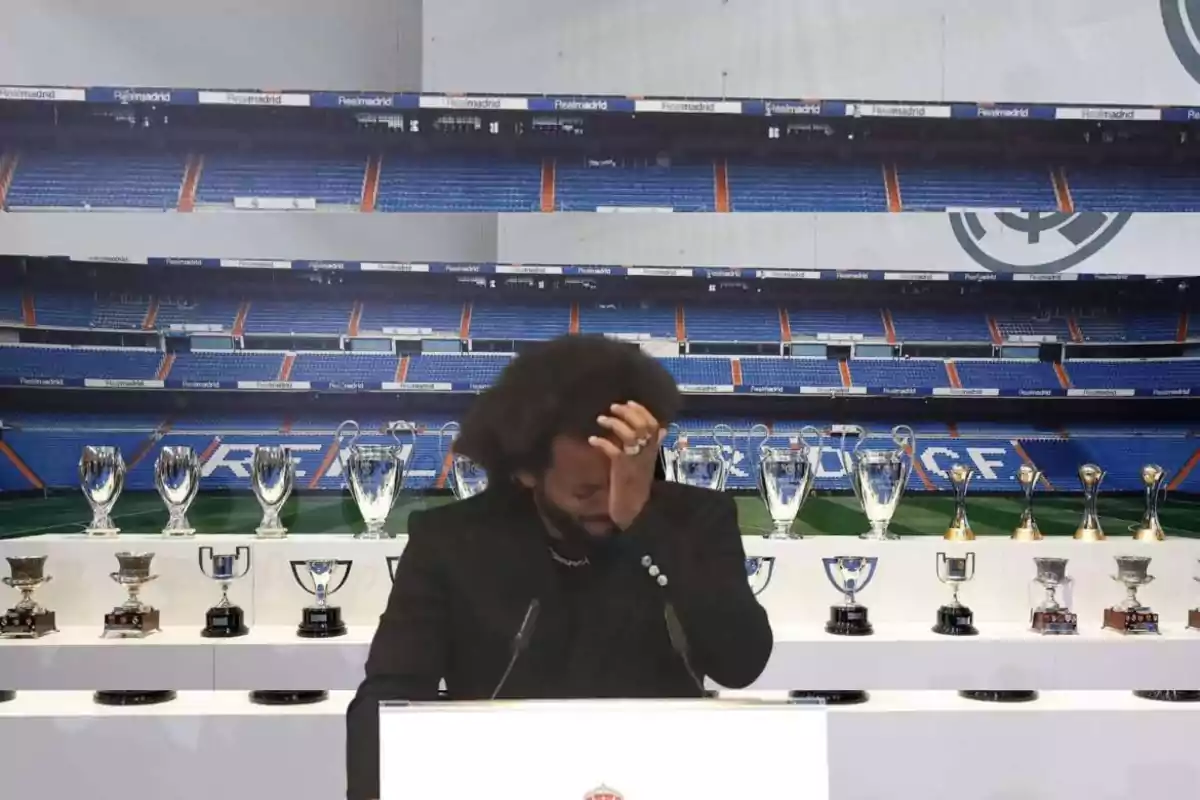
471	568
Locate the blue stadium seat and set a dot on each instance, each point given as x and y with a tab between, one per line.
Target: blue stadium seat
941	326
235	366
1098	374
806	186
1127	188
197	311
680	186
867	322
731	324
519	321
416	315
938	186
898	372
1136	328
11	308
49	179
329	316
473	369
345	367
700	371
448	183
1015	324
643	319
790	372
986	373
119	312
330	180
37	361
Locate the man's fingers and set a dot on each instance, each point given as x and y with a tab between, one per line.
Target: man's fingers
623	430
636	418
647	419
605	446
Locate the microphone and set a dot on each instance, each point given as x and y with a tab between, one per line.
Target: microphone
679	644
520	642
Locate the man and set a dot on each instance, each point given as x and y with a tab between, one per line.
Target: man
615	584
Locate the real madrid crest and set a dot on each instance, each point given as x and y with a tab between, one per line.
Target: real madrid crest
603	792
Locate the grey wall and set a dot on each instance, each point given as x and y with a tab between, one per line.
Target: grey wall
1160	244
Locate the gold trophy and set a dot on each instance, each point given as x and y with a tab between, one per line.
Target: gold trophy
960	529
1089	529
1150	529
1027	529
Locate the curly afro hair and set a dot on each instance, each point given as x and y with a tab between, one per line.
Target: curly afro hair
558	388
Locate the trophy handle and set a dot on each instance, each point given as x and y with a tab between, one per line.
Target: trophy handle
872	562
760	433
9	582
392	563
768	563
345	425
200	558
394	428
237	556
939	562
448	431
971	565
906	443
829	564
723	436
863	435
296	574
345	574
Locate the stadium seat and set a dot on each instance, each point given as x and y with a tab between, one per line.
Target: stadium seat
1150	374
519	321
330	180
938	186
330	316
473	369
345	367
632	318
233	366
986	373
812	322
806	186
731	324
96	178
898	372
42	362
446	183
584	186
790	372
941	326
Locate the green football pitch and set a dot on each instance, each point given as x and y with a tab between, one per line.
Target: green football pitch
329	512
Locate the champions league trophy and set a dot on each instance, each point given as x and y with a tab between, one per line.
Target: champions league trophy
960	528
272	477
27	619
465	478
849	575
1130	616
1089	530
758	571
133	618
955	619
785	478
101	478
1154	478
1027	529
375	474
224	620
1049	614
321	620
704	465
177	478
879	477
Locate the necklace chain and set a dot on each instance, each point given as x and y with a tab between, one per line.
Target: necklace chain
568	562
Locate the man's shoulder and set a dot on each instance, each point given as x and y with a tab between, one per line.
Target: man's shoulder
460	518
688	500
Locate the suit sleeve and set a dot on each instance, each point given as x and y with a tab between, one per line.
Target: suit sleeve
408	655
699	548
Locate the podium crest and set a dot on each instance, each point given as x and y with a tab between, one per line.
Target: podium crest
603	792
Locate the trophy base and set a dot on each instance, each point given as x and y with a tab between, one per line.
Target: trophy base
1027	533
848	621
24	624
1149	535
137	697
1194	618
1051	623
876	536
131	624
1002	696
101	533
287	697
374	535
1169	695
958	533
322	623
1131	622
224	623
828	698
1089	535
178	533
955	621
271	533
7	695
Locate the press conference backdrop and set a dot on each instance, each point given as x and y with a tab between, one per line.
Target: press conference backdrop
1042	246
1090	51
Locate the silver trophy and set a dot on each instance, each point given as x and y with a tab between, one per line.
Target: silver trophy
101	478
272	477
321	620
1154	478
224	620
759	570
879	477
375	474
785	478
27	619
849	575
133	618
464	476
1052	613
703	465
177	478
1130	615
955	619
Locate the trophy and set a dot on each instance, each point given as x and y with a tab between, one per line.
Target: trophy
849	575
960	529
955	619
759	570
101	478
704	465
392	563
375	474
1050	616
879	477
177	478
1027	529
1130	616
785	478
1089	529
1154	478
224	620
321	620
272	476
27	619
1194	614
133	618
465	477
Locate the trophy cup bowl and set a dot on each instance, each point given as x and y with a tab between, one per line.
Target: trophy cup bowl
224	620
177	478
955	619
321	620
759	570
375	474
960	529
849	575
1050	616
133	618
785	479
1130	616
703	465
879	478
1027	529
1089	530
272	477
27	619
1154	478
101	478
464	476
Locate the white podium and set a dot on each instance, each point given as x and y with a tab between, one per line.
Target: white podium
602	750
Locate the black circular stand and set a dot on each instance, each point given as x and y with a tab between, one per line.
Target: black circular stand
287	697
848	621
711	694
139	697
1169	695
955	621
994	696
7	695
846	697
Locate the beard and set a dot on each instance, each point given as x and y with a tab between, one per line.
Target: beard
576	540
